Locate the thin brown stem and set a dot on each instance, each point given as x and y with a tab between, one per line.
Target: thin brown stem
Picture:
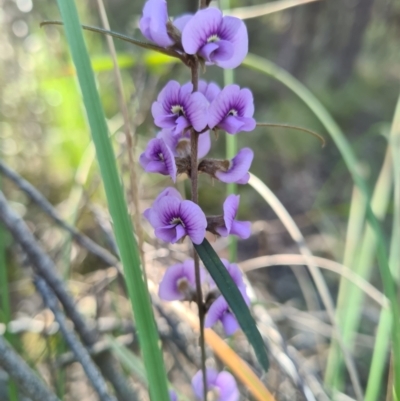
194	141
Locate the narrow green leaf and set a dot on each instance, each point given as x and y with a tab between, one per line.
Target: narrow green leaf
137	289
234	298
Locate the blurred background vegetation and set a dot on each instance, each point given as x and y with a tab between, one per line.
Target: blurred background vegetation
345	51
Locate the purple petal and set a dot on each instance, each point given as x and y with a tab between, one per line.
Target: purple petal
245	101
231	206
167	207
180	22
168	289
153	23
158	158
223	51
171	233
196	110
242	229
239	168
209	90
204	144
194	220
228	390
169	191
222	104
229	323
244	180
217	310
204	24
173	396
180	124
234	30
231	124
197	381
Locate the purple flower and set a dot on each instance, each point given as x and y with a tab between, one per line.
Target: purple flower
232	110
219	309
177	108
232	226
172	218
172	395
179	282
219	40
223	384
180	144
238	170
153	23
158	158
180	22
209	90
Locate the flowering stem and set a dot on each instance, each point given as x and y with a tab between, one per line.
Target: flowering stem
194	141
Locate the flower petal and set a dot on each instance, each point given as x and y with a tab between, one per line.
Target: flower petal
231	124
153	23
209	90
217	310
181	21
196	111
196	32
168	289
228	390
197	381
194	220
229	323
240	165
204	144
222	104
234	30
231	206
242	229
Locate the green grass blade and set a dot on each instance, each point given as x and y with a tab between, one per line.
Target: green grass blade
380	353
128	359
234	298
231	148
138	293
271	69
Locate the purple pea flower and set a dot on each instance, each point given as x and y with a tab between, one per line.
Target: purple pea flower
219	309
172	395
209	90
238	170
179	282
177	108
153	23
158	158
219	40
223	384
172	218
232	110
232	226
180	144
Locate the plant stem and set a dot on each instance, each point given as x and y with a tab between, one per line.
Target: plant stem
194	141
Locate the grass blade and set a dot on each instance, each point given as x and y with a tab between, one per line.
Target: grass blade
234	298
271	69
138	293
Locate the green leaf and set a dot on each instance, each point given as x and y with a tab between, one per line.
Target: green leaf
137	289
234	298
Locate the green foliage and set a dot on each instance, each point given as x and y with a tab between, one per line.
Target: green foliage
138	293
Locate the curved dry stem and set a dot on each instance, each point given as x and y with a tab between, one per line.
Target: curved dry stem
295	127
139	43
290	260
319	281
260	10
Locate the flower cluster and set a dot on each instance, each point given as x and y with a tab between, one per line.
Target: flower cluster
186	114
